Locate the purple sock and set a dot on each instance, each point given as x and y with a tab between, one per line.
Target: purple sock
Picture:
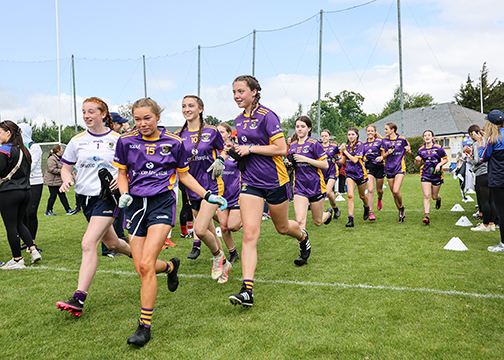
196	243
80	295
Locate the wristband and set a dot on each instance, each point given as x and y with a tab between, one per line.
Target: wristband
221	159
250	150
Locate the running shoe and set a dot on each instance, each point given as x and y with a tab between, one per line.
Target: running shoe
380	205
492	227
172	278
244	297
73	306
350	223
71	212
195	252
366	213
141	336
14	265
218	265
337	213
481	227
371	217
426	220
497	248
438	203
305	250
330	211
35	256
402	215
168	243
233	257
49	213
225	273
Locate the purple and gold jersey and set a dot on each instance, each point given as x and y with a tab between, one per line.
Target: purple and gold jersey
152	163
372	150
395	162
308	179
231	179
262	128
431	156
332	171
209	147
356	171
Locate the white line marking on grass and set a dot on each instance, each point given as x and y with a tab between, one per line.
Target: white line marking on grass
304	283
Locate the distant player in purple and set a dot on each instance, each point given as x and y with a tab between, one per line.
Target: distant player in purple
262	145
230	218
374	168
433	157
331	173
149	159
395	147
309	159
352	153
204	145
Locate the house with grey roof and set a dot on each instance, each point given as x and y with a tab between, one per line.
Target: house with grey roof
448	121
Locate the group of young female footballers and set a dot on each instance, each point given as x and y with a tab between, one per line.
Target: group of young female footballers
223	180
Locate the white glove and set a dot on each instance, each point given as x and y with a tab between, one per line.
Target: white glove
217	168
125	200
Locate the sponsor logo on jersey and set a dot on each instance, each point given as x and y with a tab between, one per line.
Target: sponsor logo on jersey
96	158
107	211
149	165
238	124
244	138
84	143
162	217
134	146
205	137
194	151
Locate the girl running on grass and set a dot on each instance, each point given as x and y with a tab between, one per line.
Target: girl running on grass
352	153
394	148
15	194
433	157
309	159
230	219
204	144
374	168
149	159
261	143
331	173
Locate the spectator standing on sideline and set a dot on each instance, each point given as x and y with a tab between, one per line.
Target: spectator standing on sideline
52	178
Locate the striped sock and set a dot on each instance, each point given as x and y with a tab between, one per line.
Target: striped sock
169	267
232	251
196	243
303	236
215	254
249	284
80	295
146	317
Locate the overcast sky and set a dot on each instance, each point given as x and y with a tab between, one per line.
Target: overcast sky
443	41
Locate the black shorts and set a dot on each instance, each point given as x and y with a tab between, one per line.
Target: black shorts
316	198
398	173
195	204
150	210
434	183
93	206
272	196
358	182
375	170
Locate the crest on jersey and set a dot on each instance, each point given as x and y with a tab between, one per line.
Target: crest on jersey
165	149
111	145
253	124
205	137
306	148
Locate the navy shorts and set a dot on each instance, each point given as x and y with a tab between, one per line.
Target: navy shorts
195	204
434	183
375	170
393	176
331	178
150	210
317	197
273	196
358	182
93	206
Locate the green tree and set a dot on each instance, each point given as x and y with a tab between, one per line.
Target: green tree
125	111
469	95
290	122
49	132
212	120
412	101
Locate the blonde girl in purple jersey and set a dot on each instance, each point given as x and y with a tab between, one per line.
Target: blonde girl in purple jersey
149	160
374	168
230	218
262	145
198	136
331	174
352	153
434	158
395	147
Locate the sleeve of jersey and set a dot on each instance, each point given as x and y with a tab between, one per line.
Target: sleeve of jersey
485	152
319	151
182	165
359	152
273	127
443	153
218	141
119	156
69	155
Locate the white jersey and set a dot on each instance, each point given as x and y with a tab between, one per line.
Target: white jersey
88	153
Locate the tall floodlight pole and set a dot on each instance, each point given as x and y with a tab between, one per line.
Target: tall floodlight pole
145	77
400	64
253	53
74	95
481	91
58	67
199	69
319	75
